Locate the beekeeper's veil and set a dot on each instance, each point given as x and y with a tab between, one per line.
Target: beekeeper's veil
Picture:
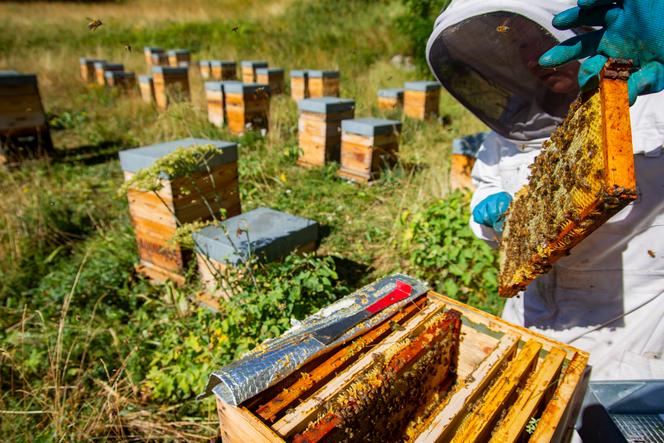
485	54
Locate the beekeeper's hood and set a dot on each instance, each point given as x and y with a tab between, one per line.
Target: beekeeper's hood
485	53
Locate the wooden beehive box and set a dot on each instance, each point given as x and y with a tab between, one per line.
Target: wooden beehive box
146	87
390	99
323	83
274	77
223	70
182	199
205	69
319	129
464	154
247	106
299	84
24	131
102	67
87	66
170	84
214	96
248	68
121	79
149	52
506	375
368	145
421	100
159	59
264	233
178	57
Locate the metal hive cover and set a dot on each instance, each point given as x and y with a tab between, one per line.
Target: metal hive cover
371	126
326	105
422	86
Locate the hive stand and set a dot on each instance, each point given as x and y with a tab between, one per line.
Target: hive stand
390	99
249	67
24	131
178	57
319	129
216	101
182	199
323	83
223	70
204	68
149	52
299	84
367	146
274	77
264	233
247	106
87	66
146	86
421	100
170	84
120	79
159	59
102	67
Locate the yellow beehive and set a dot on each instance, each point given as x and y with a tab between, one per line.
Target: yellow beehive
178	57
323	83
247	106
274	77
319	129
170	85
87	66
368	145
146	86
390	99
249	67
421	100
223	70
101	67
299	84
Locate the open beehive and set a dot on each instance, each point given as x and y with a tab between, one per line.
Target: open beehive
506	379
584	175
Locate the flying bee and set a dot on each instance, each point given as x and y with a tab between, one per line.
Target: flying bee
235	28
502	29
127	47
94	23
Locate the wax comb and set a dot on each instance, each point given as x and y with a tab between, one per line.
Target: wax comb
583	176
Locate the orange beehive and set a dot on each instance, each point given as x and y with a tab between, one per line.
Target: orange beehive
216	102
247	106
146	86
159	59
274	77
197	196
101	67
421	100
121	79
178	57
390	99
299	84
170	85
205	69
368	145
149	53
249	67
319	129
87	66
323	83
223	70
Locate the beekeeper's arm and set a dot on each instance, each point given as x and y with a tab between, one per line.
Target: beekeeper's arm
490	200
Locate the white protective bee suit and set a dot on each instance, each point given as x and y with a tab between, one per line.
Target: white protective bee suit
606	296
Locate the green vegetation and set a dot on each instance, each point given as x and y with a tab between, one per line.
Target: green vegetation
89	349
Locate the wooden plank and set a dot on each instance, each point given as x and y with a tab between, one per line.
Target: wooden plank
480	421
445	422
296	420
237	424
527	404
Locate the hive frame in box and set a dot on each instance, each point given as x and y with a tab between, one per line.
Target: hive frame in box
488	344
615	189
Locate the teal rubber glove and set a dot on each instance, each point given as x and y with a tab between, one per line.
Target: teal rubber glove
631	29
491	211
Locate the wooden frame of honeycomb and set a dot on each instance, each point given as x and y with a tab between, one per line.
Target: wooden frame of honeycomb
584	176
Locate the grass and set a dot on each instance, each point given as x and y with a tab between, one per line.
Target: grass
88	349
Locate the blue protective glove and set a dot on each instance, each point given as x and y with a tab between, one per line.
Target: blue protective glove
491	211
631	29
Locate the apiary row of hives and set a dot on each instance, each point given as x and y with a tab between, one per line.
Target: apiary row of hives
419	100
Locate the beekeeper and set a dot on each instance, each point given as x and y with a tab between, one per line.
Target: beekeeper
606	296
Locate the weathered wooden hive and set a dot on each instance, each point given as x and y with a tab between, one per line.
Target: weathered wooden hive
223	70
170	85
121	79
178	57
102	67
146	86
421	100
249	67
323	83
299	84
274	77
368	145
197	196
205	69
24	131
87	66
263	233
319	129
506	381
247	106
390	99
216	101
149	52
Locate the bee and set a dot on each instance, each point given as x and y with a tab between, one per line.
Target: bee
127	47
94	23
502	29
651	253
236	28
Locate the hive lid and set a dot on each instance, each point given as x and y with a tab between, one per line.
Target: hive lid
214	86
11	78
133	160
371	126
153	49
169	70
204	62
326	105
324	74
144	78
254	63
177	51
222	63
112	66
100	64
263	232
422	86
299	73
236	87
391	92
269	70
124	74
